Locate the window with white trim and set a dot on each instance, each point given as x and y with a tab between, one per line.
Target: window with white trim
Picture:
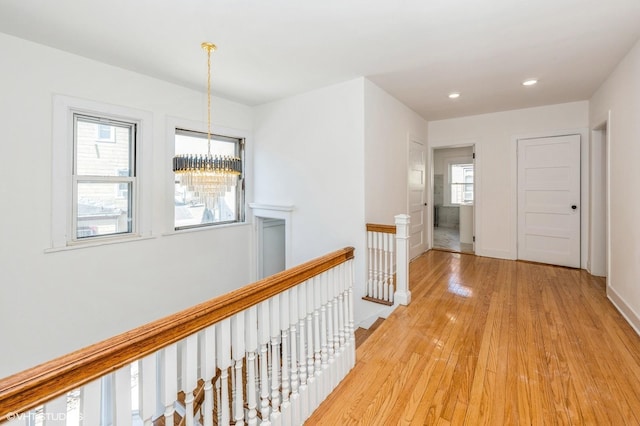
104	178
97	188
189	210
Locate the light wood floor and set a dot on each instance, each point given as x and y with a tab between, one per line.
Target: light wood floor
494	342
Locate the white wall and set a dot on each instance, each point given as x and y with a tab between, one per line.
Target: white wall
309	154
388	124
620	94
53	303
494	138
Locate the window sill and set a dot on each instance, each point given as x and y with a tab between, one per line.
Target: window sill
99	243
204	228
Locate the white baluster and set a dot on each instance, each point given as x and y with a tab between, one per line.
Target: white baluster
90	403
311	379
223	356
374	293
238	352
385	274
251	340
302	349
341	323
317	342
348	316
148	389
403	295
274	308
208	370
331	310
122	388
55	412
370	263
324	350
339	278
264	335
286	384
293	339
170	379
392	271
379	294
189	375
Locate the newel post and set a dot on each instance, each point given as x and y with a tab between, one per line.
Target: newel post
402	294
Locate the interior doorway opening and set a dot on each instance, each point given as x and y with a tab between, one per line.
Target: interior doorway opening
453	199
598	260
271	246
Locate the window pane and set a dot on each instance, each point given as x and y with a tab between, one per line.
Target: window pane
189	208
103	208
461	183
93	157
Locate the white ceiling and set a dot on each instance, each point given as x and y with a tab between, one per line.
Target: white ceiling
417	50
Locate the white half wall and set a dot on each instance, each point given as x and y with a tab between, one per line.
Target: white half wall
620	94
54	303
494	135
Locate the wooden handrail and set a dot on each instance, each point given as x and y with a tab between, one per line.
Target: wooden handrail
30	388
387	229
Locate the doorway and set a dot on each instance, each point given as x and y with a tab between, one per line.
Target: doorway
271	246
453	199
598	260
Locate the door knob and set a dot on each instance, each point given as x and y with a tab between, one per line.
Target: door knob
574	207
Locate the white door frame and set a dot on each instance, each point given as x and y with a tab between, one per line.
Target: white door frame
584	188
596	141
477	185
270	211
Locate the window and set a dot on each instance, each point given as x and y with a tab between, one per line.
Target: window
189	210
461	181
100	193
104	181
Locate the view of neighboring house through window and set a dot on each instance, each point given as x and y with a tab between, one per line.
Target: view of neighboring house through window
104	180
461	183
190	211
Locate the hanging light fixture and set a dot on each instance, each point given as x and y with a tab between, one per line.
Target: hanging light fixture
208	176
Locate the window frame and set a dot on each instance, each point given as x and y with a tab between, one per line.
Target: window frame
174	124
451	165
64	182
448	162
130	179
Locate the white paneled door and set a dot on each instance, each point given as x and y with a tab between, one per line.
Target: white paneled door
549	200
417	207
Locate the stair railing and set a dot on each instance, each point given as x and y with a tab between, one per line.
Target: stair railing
268	353
387	262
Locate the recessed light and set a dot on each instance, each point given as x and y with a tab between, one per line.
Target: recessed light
530	82
454	95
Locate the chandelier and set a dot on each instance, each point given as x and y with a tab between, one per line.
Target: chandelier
208	176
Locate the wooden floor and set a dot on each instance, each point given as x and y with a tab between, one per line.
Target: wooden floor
494	342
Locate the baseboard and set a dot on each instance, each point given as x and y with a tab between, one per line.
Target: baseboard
625	310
